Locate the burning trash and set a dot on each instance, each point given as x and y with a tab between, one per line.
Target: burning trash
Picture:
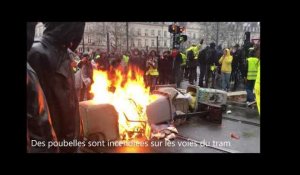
124	108
127	93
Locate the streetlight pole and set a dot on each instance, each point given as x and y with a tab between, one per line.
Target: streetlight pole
157	44
83	43
162	34
217	34
127	34
107	41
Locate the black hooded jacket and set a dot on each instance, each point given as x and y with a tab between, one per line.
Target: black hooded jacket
212	55
52	63
39	125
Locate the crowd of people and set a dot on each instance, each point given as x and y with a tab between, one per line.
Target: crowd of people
59	77
157	69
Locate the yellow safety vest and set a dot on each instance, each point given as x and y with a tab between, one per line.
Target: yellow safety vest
125	59
195	50
152	71
252	68
213	67
183	56
257	88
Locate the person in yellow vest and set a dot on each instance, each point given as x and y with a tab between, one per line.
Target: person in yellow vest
190	48
183	64
183	56
152	72
225	61
257	88
257	81
195	48
192	64
252	69
124	61
188	69
126	58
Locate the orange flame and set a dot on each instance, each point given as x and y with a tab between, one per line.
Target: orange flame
130	99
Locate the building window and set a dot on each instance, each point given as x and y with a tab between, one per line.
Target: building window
158	32
194	36
139	43
146	32
152	42
165	33
139	32
165	43
89	39
152	32
146	42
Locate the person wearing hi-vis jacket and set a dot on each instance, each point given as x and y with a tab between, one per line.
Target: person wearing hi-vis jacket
225	61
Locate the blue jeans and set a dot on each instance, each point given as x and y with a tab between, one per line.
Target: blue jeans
249	90
225	80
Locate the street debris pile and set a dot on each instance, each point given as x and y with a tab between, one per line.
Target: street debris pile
163	131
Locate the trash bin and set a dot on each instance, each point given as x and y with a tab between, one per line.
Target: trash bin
161	109
213	96
209	96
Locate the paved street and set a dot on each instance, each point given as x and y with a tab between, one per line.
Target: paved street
247	135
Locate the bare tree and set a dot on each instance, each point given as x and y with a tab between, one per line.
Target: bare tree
118	35
234	33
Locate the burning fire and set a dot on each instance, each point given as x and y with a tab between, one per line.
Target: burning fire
129	95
